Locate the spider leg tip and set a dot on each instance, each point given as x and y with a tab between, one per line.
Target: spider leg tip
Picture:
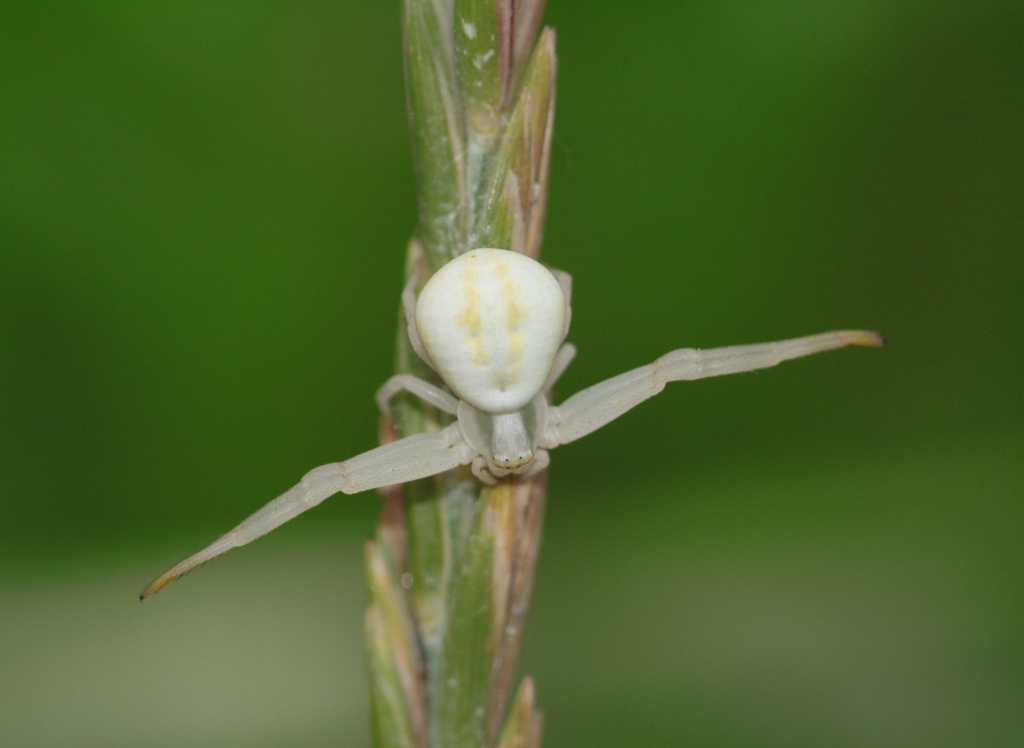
866	338
156	585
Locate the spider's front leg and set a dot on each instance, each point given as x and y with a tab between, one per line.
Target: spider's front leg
411	458
592	408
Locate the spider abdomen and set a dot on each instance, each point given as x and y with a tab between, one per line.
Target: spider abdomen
492	321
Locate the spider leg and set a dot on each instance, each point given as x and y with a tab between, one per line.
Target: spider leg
541	460
420	388
482	473
409	308
407	459
565	281
595	406
562	360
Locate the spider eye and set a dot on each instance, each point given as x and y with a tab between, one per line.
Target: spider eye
512	462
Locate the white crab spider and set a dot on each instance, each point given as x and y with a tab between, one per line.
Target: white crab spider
491	323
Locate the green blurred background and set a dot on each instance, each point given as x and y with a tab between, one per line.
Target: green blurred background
203	215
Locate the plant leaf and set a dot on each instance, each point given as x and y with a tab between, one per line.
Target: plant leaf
513	215
396	685
523	728
438	128
463	680
483	53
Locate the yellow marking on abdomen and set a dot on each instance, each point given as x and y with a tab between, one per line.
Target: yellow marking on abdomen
515	313
469	317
